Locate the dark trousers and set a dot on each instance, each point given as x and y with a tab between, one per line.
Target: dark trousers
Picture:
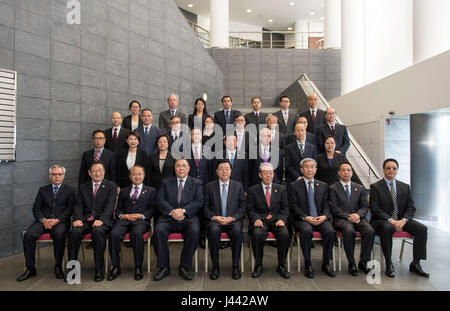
58	234
234	232
385	229
98	236
259	236
136	229
306	231
190	230
348	230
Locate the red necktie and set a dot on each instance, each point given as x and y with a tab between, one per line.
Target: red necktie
115	135
97	155
268	195
313	116
96	188
257	115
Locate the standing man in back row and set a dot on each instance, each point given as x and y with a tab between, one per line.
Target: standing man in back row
227	115
256	116
286	119
172	102
313	115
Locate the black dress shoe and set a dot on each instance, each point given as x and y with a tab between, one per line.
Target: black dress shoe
416	268
328	271
99	276
185	274
258	271
309	272
138	275
214	274
202	243
390	271
89	245
352	269
236	273
283	272
364	268
162	273
59	272
114	273
224	244
27	274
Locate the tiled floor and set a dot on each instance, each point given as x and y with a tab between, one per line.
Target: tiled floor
438	265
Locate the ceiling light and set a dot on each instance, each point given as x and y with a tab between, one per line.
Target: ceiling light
291	3
270	20
312	13
190	5
248	10
289	28
322	17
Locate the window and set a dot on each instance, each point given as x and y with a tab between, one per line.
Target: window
8	87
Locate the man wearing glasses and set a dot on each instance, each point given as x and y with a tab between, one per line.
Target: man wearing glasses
52	210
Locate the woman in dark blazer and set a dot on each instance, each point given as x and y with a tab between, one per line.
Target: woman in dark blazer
328	162
133	121
161	158
200	112
208	129
127	158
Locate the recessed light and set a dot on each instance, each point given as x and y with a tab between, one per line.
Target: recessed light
248	10
289	28
322	17
190	5
312	13
270	20
291	3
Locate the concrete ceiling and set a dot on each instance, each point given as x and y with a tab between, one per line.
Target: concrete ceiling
283	14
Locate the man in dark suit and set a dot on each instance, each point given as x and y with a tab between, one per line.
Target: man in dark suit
116	135
93	213
272	124
348	203
332	128
286	119
298	151
392	209
227	115
99	153
315	116
268	211
308	198
243	136
52	209
200	165
256	117
175	130
238	161
148	133
172	102
310	137
135	208
224	209
180	199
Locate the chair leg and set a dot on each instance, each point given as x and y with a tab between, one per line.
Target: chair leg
242	258
148	255
402	249
206	255
106	258
38	248
339	253
253	258
298	254
334	262
382	263
196	260
289	259
82	253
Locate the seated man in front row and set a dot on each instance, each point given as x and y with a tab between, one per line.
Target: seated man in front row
180	199
135	208
348	203
93	213
224	209
268	211
308	198
52	210
392	211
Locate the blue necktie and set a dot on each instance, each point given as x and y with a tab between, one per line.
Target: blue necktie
348	192
55	190
146	131
232	159
224	200
311	202
227	116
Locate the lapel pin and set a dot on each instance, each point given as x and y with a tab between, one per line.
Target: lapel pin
356	189
276	190
317	185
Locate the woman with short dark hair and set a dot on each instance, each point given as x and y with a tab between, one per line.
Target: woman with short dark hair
133	121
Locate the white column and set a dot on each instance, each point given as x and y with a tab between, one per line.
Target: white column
431	28
219	23
301	34
332	24
352	45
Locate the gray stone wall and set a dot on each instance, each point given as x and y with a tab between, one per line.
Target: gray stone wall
71	77
268	72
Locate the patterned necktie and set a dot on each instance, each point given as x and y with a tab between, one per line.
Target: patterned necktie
268	195
311	202
146	131
55	190
96	188
265	155
115	135
172	112
135	195
180	191
224	200
302	152
347	190
196	156
227	116
394	201
97	155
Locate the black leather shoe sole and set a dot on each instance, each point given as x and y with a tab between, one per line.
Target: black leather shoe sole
28	274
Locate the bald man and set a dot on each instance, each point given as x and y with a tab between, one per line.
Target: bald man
313	115
115	136
172	102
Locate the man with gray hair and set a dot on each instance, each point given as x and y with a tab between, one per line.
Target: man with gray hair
308	199
52	209
172	102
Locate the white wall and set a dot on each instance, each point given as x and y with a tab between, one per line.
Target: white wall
234	26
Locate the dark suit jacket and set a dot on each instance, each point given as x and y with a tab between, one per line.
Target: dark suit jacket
286	129
381	206
121	142
148	143
293	159
101	207
154	175
123	178
126	123
254	164
107	157
204	170
236	206
257	207
341	207
299	203
310	138
164	120
192	198
145	204
191	121
219	118
245	141
250	118
327	173
320	119
60	206
172	140
340	133
239	171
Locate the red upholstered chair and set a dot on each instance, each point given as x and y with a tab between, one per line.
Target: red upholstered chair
147	237
46	238
405	237
177	237
271	238
223	238
316	237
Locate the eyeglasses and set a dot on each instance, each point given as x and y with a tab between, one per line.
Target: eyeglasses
389	168
99	138
57	174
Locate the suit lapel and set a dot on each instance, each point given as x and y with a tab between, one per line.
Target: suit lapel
261	193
